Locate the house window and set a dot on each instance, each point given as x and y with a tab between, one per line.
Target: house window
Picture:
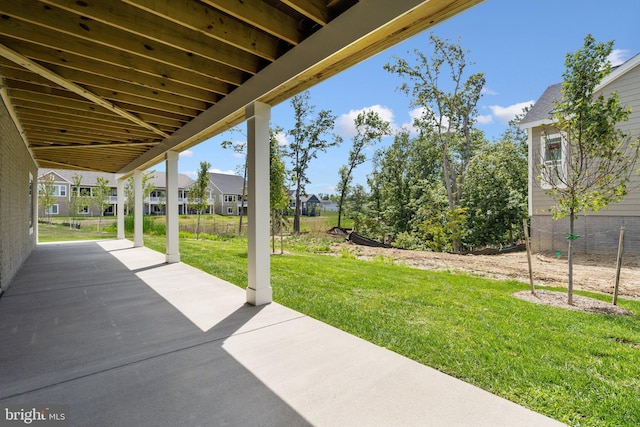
83	210
228	198
229	211
52	210
553	161
59	190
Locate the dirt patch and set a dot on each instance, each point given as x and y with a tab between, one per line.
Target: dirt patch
580	303
591	272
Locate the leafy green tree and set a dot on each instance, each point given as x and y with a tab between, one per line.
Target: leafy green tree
101	195
495	194
278	194
598	158
310	136
47	194
147	188
78	200
370	128
448	108
198	192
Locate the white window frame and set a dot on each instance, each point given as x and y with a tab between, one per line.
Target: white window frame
52	210
230	198
230	211
548	164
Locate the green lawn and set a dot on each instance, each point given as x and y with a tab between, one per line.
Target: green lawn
579	368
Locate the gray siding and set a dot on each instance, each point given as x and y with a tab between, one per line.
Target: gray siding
628	88
17	238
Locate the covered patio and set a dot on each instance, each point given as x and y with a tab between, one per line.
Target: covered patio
125	338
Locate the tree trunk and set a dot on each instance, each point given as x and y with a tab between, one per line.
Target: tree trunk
296	214
570	259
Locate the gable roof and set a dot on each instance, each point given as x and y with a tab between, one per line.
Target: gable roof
159	180
227	184
540	113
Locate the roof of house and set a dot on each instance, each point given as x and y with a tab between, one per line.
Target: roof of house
541	110
159	180
89	179
540	113
227	184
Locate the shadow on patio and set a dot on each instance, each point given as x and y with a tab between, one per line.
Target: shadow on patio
125	339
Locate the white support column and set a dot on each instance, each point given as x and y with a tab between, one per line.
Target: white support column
171	204
120	208
258	116
138	210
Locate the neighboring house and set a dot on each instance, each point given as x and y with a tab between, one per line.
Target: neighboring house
309	205
599	230
153	204
227	193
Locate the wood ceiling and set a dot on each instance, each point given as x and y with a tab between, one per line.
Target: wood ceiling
101	84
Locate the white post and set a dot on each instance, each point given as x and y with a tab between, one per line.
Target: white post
171	206
120	208
258	116
138	211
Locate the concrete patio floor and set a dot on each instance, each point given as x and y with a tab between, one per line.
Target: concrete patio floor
127	340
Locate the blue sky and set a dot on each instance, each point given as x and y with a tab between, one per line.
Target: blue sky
520	45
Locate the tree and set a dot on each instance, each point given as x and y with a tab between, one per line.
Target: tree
147	188
370	128
278	195
47	194
591	163
239	148
309	138
449	115
198	192
78	200
495	192
101	197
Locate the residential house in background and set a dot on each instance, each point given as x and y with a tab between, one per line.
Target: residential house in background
227	194
600	230
63	183
310	205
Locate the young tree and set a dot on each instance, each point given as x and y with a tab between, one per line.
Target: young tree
147	188
370	128
101	198
309	138
277	190
595	157
240	149
78	200
447	114
198	192
47	194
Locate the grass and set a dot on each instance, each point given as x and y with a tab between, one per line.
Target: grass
579	368
60	232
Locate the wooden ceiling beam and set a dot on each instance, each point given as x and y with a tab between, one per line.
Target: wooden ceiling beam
127	18
79	90
73	52
261	15
101	86
212	23
71	129
113	145
316	10
79	125
48	104
61	165
97	33
87	71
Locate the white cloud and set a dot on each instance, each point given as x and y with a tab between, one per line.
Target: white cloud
484	119
487	91
618	56
186	153
345	123
282	138
504	114
418	113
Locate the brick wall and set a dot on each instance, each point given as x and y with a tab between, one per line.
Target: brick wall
599	234
17	238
